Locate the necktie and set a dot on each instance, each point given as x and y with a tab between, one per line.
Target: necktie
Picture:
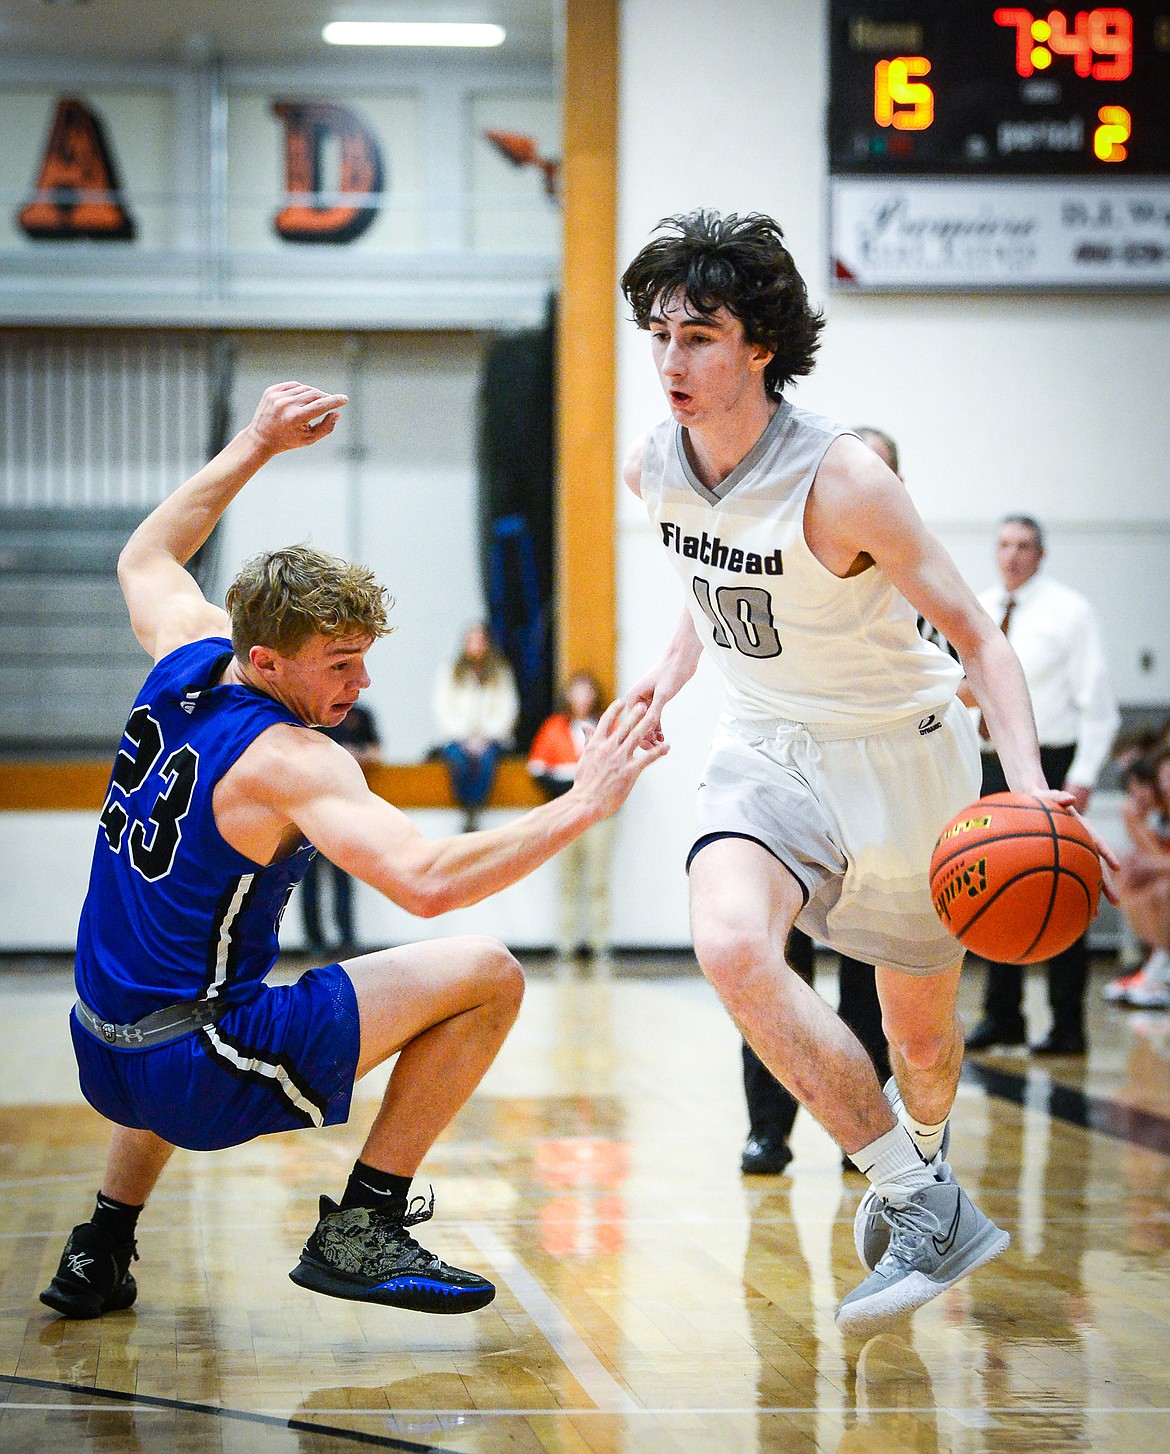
1008	607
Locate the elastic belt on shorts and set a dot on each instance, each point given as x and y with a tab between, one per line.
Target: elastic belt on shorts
169	1023
780	729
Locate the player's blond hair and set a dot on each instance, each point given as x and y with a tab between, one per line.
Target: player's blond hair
282	597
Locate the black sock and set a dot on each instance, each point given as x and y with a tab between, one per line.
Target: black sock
117	1218
379	1190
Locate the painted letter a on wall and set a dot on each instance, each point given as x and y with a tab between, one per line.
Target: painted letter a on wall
78	192
312	214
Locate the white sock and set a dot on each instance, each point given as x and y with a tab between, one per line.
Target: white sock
894	1165
927	1138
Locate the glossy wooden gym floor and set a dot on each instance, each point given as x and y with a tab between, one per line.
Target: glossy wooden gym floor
650	1298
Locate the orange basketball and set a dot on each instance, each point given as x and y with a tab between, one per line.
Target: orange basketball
1015	878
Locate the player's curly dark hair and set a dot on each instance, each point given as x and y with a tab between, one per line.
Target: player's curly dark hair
739	263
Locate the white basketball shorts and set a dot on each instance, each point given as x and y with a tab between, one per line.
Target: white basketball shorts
854	818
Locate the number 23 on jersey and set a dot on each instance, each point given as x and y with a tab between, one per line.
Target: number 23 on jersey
151	839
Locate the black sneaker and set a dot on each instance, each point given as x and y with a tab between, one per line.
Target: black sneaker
764	1156
989	1033
370	1257
93	1276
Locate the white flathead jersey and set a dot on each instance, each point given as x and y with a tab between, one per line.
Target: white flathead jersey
791	639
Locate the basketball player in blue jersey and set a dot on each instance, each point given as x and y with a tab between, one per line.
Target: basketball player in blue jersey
220	794
843	751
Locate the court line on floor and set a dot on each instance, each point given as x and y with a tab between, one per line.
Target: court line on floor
953	1411
967	1416
987	1195
559	1333
46	1180
1034	1091
120	1399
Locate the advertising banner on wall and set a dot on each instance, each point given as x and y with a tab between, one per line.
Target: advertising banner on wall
921	234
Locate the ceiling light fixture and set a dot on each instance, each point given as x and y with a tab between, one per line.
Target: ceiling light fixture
402	32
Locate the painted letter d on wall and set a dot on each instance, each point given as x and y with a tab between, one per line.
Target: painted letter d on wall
314	214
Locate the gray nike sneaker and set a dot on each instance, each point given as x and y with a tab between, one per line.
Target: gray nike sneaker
937	1236
871	1231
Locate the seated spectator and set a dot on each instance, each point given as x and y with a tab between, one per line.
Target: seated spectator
1143	883
583	919
476	707
1138	743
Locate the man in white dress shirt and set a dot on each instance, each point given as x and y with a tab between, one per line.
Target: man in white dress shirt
1057	636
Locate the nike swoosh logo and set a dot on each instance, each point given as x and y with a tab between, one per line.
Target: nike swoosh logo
942	1245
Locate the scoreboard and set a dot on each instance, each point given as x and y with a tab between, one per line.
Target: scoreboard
975	100
971	88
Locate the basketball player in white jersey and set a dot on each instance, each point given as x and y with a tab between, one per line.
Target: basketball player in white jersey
843	751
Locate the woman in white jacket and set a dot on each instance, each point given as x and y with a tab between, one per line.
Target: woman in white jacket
476	707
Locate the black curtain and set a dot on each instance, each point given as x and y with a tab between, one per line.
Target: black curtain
517	509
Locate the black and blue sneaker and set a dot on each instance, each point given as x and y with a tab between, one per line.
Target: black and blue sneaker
93	1276
369	1257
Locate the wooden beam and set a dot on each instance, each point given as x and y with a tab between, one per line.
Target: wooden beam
54	787
80	786
586	369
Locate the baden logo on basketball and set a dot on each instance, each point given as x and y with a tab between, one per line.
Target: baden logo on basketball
970	879
965	825
975	878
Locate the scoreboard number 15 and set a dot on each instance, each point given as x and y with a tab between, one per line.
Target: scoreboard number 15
893	88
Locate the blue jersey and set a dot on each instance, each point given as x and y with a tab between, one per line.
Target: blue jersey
173	912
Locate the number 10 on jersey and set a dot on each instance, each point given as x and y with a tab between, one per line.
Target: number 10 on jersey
740	617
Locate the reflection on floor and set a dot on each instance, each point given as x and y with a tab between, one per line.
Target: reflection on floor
651	1299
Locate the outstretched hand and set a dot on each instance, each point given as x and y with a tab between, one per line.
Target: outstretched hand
663	682
652	692
615	756
648	695
291	415
1110	863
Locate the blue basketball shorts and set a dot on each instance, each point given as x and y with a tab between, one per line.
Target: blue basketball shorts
282	1061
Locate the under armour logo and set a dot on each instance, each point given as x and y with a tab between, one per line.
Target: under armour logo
78	1262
